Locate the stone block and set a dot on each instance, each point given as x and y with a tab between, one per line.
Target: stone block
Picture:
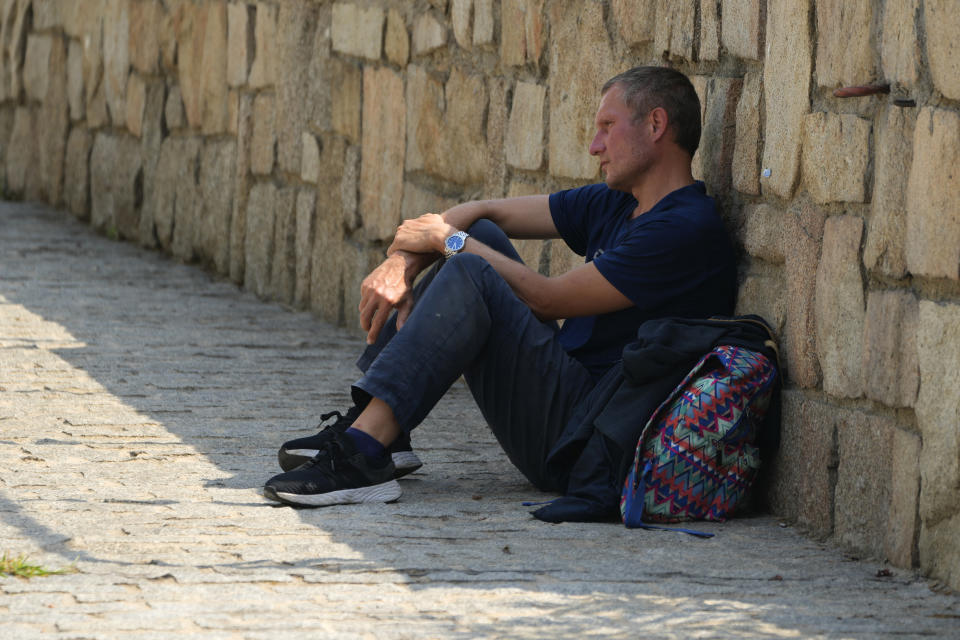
899	45
346	87
836	152
495	184
381	171
16	27
939	551
36	61
95	101
297	87
217	172
264	70
742	28
305	218
714	157
804	469
76	186
460	12
513	37
173	112
75	93
136	101
523	144
862	498
116	180
938	410
241	188
786	93
213	78
336	210
674	34
283	267
845	53
840	307
357	31
933	196
151	140
900	545
429	34
240	43
886	229
190	34
48	14
22	174
483	21
635	19
803	235
116	58
396	43
55	116
762	294
310	160
941	21
891	372
350	188
745	169
264	141
763	233
581	60
259	238
144	38
418	201
562	258
709	31
176	198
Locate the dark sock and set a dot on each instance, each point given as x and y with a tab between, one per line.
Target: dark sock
369	446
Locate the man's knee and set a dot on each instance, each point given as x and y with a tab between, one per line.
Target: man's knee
486	231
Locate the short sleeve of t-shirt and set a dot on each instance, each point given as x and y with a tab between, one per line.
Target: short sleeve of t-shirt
578	213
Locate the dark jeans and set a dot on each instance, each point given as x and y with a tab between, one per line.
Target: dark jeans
468	321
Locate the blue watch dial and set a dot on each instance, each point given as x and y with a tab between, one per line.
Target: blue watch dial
454	243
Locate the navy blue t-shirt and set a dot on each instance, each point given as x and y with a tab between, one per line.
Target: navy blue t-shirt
674	260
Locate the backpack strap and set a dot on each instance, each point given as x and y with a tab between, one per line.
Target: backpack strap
634	515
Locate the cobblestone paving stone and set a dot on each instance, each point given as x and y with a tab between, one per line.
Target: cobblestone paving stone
141	405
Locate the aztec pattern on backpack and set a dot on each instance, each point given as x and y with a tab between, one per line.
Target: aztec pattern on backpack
697	458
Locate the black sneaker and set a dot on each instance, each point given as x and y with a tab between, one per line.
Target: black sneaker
338	474
294	453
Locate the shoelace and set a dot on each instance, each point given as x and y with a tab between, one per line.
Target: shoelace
331	449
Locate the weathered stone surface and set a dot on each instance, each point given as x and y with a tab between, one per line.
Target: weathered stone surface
22	167
297	88
310	159
635	19
264	71
429	34
396	43
144	38
75	93
862	497
264	141
900	545
16	25
217	170
136	101
845	53
176	197
742	28
803	226
938	411
886	230
76	191
55	116
190	34
763	294
763	234
836	152
213	79
460	11
942	24
336	210
240	43
804	470
151	140
356	30
95	106
840	307
346	101
524	140
891	373
714	158
939	551
674	31
241	188
35	64
495	183
306	208
173	111
418	201
513	37
562	258
933	196
382	153
899	46
581	61
116	57
745	169
483	21
283	267
786	87
115	185
259	238
709	31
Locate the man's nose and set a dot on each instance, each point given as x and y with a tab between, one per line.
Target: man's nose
596	147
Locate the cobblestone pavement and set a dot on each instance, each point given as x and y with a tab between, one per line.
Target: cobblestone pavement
141	405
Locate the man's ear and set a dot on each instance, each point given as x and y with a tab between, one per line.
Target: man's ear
658	122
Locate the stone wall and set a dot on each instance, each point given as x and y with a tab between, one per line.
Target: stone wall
280	142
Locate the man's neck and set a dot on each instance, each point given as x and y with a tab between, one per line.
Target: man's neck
659	182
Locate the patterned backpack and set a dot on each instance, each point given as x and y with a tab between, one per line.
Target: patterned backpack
697	456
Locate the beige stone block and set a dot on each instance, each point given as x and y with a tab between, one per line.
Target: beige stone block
845	54
802	239
581	60
900	544
424	115
674	34
76	187
217	171
168	40
899	45
709	31
214	89
48	14
346	100
310	161
330	250
259	238
331	257
233	109
114	167
762	294
95	97
297	88
940	552
144	38
891	372
840	307
938	410
741	30
305	223
177	197
240	43
718	138
524	140
418	201
941	20
562	258
55	116
241	188
513	37
862	498
460	13
263	73
381	171
764	233
357	30
786	94
483	22
803	472
745	169
15	31
190	35
836	152
116	57
22	169
886	230
136	101
635	19
350	188
495	183
397	41
35	64
75	92
933	196
263	143
283	267
152	135
429	34
173	111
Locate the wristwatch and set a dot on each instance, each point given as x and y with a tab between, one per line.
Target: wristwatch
454	244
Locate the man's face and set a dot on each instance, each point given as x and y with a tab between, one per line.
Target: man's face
623	147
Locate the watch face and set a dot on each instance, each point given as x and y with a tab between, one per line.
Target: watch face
454	243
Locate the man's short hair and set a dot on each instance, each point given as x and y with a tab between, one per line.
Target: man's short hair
646	88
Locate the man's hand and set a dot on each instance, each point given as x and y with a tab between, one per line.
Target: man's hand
388	287
425	234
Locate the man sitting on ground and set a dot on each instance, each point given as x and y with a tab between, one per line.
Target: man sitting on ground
654	245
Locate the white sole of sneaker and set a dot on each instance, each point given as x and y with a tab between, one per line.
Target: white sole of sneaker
383	492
